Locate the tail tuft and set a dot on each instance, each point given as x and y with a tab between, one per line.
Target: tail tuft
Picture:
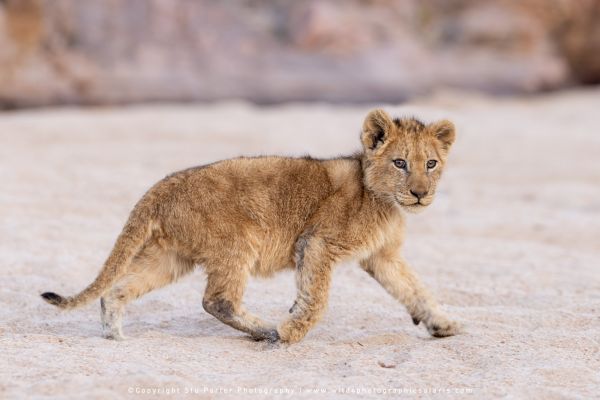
54	299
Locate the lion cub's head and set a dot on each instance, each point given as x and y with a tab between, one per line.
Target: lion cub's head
404	158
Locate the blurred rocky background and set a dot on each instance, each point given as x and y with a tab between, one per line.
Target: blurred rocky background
268	51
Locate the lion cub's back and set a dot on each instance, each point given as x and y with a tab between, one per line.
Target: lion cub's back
252	199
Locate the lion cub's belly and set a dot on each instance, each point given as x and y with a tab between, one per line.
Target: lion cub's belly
275	253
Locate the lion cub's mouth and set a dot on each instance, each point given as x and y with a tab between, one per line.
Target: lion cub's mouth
415	206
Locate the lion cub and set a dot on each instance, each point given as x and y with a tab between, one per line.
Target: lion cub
258	216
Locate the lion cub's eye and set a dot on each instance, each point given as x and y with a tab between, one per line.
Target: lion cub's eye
431	164
400	163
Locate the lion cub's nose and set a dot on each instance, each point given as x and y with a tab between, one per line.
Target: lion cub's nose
419	194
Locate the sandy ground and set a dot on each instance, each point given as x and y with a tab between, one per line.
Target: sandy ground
510	247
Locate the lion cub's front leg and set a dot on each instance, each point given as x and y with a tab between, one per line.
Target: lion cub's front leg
392	272
313	276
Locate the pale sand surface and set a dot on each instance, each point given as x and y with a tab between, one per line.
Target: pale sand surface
510	247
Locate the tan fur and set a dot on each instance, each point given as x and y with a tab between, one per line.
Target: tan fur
257	216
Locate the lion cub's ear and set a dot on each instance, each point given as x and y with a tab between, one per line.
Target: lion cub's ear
445	132
376	129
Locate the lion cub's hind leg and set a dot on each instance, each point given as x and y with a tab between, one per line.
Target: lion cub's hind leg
223	299
151	269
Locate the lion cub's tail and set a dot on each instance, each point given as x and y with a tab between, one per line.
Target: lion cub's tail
136	232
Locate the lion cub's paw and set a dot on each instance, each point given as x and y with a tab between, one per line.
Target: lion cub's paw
117	337
441	326
270	336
